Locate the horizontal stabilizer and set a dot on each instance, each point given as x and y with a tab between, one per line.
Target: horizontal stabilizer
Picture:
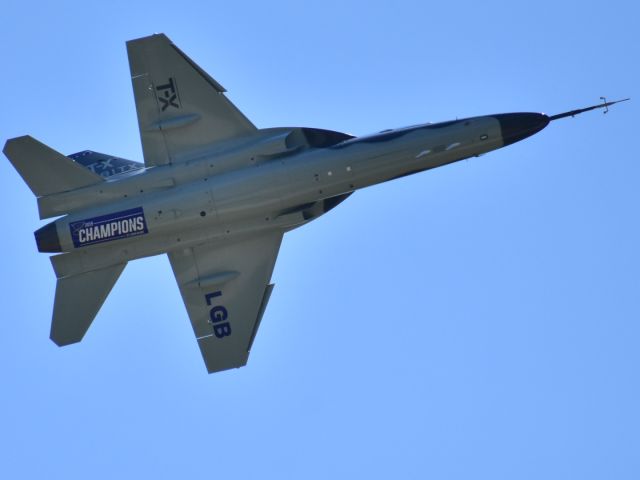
44	170
78	300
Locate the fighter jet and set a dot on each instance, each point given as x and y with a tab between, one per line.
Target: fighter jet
216	194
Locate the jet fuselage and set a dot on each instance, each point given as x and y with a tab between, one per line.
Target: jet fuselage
199	200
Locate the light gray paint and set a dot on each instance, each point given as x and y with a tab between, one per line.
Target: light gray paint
218	195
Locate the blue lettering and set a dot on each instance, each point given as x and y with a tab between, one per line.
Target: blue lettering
222	329
209	296
217	316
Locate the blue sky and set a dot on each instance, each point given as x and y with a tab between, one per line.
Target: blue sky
476	321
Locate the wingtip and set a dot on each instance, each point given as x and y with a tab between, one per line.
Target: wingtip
147	38
15	141
62	341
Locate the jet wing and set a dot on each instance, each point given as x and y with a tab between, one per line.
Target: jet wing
181	109
225	288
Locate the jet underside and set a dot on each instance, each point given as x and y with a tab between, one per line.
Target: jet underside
215	193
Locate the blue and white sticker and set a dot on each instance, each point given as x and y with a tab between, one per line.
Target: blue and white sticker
125	224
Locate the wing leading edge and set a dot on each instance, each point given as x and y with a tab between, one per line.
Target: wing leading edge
225	289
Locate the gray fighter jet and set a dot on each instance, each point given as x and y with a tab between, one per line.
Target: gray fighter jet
216	194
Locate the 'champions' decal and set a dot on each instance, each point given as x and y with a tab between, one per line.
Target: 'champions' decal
128	223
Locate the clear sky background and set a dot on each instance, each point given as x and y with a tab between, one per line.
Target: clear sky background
481	320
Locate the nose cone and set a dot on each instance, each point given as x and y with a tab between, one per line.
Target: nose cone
517	126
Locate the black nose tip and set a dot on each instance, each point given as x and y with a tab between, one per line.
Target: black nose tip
517	126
